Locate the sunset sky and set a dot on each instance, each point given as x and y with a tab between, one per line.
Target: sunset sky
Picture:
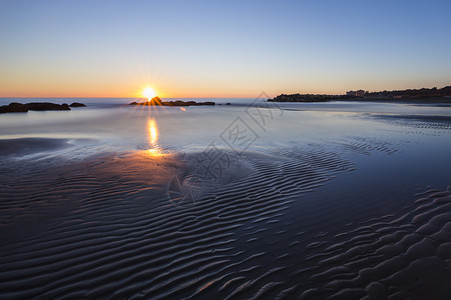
221	49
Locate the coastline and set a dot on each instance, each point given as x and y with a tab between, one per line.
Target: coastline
433	100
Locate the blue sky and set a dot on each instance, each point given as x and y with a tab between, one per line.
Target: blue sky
221	48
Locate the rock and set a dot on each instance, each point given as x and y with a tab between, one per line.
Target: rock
13	107
178	103
228	103
38	106
77	104
43	106
207	103
157	101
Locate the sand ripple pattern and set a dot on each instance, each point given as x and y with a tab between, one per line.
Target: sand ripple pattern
419	124
109	237
408	257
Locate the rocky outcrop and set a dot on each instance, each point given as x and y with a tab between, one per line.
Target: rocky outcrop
306	98
38	106
42	106
77	104
13	107
158	101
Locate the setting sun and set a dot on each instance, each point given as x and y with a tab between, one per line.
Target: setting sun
149	93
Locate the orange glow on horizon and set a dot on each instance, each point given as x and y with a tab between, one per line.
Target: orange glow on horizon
134	88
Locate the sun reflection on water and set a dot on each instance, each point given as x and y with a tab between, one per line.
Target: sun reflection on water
154	148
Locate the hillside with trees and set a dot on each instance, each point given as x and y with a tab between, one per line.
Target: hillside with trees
424	94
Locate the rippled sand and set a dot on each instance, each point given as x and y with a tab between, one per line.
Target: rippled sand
303	220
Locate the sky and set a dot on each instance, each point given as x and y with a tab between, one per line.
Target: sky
221	48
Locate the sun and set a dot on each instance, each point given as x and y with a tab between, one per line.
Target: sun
149	93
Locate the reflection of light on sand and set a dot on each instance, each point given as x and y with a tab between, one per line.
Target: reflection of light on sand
153	138
154	152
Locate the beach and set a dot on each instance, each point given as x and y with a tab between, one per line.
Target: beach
336	200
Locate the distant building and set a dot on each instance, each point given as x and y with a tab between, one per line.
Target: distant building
359	93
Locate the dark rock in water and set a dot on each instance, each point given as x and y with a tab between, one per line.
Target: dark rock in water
13	107
77	104
206	103
153	101
178	103
38	106
157	101
228	103
42	106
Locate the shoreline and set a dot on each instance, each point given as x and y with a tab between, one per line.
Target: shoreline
379	100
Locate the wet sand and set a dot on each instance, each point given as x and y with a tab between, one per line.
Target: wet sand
304	220
26	146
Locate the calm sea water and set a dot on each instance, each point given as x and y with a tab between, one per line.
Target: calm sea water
110	124
415	135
